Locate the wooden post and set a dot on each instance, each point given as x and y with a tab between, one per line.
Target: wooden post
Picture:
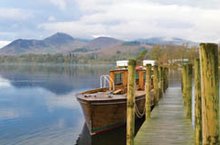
198	103
210	93
181	81
162	79
147	89
166	77
156	87
130	102
187	89
184	74
160	82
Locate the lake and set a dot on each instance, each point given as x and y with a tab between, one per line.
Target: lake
38	104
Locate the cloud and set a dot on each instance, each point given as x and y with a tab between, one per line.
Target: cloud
4	43
140	19
61	4
51	18
210	4
14	14
124	19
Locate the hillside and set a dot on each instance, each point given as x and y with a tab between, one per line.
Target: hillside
57	43
65	44
166	41
103	42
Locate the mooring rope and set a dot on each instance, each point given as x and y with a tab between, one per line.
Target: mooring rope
137	111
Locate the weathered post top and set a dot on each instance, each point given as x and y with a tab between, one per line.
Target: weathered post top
132	62
209	45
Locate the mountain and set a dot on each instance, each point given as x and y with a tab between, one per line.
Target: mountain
21	46
64	43
103	42
166	41
59	38
57	43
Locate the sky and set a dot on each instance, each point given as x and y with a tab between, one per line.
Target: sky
196	20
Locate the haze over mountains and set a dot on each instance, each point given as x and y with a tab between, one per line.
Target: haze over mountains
64	43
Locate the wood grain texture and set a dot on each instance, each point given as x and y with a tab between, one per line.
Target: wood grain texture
198	103
167	125
184	81
147	89
210	93
156	84
187	89
160	69
188	108
166	78
130	103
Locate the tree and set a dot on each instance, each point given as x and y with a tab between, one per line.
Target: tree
155	52
141	56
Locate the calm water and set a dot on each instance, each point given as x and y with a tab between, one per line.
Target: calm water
38	104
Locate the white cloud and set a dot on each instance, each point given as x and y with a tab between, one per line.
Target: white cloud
141	19
210	4
4	43
61	4
51	18
14	14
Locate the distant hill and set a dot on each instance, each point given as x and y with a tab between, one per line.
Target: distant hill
104	42
166	41
57	43
59	39
64	43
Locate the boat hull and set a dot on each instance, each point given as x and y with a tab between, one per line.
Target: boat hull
103	115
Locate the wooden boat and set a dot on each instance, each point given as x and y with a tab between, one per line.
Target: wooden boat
105	108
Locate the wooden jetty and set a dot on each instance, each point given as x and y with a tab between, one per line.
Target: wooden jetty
168	125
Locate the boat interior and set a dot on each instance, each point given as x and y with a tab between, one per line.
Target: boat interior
115	85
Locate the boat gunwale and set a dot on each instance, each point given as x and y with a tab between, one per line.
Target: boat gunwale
108	101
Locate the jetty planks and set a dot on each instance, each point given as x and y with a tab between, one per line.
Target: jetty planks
167	125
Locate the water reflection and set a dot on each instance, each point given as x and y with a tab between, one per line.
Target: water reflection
38	105
174	78
113	137
4	82
59	79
